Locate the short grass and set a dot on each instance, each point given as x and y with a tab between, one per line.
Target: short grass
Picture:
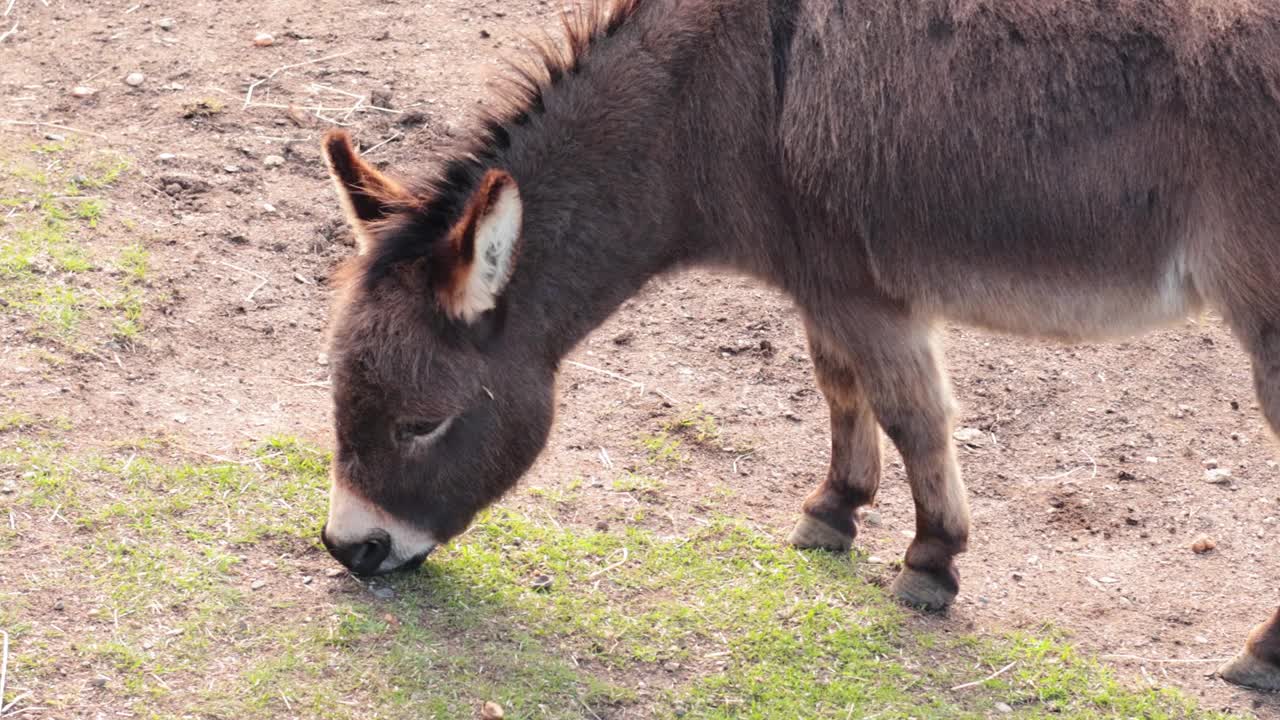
135	584
56	269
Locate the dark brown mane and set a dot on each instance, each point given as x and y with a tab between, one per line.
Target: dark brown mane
519	96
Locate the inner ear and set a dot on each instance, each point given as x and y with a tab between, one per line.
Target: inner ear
481	248
366	194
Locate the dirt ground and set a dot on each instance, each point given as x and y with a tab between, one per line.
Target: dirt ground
1087	479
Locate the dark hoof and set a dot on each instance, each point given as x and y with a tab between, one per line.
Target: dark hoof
1248	671
813	534
921	590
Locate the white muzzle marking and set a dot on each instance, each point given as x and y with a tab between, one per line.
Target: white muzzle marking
352	519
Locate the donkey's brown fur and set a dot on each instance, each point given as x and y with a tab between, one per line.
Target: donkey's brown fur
1056	168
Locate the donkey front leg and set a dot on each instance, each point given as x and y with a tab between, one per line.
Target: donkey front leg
828	519
898	364
1258	665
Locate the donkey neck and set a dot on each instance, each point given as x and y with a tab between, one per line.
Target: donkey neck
598	169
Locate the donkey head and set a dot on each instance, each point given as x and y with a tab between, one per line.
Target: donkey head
439	405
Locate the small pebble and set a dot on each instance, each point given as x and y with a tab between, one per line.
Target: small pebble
165	23
970	436
58	606
99	682
268	207
8	489
55	137
306	579
1203	544
135	79
541	582
602	526
1218	476
84	91
258	585
1017	576
334	572
492	711
273	161
1004	707
1211	463
872	518
166	157
231	168
383	593
264	39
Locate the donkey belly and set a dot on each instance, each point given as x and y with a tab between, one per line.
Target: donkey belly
1093	241
1109	305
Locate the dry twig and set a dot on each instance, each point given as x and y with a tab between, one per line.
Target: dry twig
248	96
10	31
638	386
254	291
4	665
992	676
610	566
1165	661
39	123
258	275
384	142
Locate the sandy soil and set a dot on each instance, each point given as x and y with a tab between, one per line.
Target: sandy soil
1088	486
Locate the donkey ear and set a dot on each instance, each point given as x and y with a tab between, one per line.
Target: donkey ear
366	194
483	245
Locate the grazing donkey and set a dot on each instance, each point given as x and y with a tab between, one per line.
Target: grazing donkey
1072	169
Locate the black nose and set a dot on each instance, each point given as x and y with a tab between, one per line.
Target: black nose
361	558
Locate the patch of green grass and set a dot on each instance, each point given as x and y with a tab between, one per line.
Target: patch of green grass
662	449
700	426
128	325
566	495
17	421
45	259
49	148
191	577
695	426
641	486
104	170
90	210
134	260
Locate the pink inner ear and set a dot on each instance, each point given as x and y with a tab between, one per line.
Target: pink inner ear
455	267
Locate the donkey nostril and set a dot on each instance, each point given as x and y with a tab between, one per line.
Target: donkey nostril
369	555
364	558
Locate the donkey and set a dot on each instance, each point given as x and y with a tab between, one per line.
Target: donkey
1062	169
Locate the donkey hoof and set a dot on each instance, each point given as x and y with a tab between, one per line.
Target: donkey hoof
920	589
813	534
1248	671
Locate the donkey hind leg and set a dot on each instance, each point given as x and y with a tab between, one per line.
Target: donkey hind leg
898	365
1258	665
828	518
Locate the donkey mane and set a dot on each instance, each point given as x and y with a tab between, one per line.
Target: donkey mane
519	96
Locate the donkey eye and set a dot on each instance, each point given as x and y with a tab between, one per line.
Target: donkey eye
416	428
